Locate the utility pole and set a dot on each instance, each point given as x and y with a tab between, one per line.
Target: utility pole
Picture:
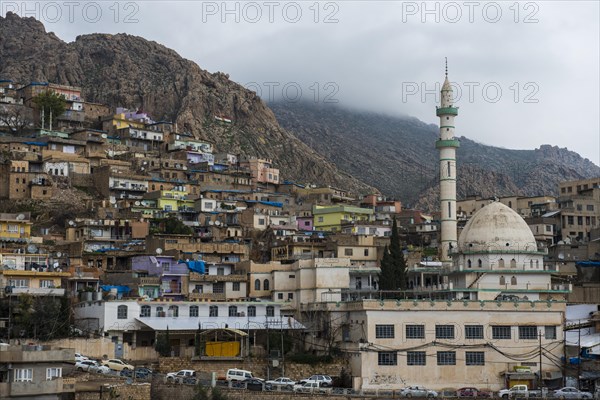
578	354
541	369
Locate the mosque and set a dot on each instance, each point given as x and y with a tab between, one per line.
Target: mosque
486	316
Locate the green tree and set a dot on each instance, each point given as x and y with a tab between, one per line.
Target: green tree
393	264
387	281
174	226
163	344
51	103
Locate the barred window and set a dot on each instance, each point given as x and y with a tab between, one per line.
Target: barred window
415	358
446	358
550	332
501	332
233	311
387	358
252	311
145	311
444	331
122	312
384	331
213	311
415	331
270	311
475	358
236	287
528	332
193	311
473	331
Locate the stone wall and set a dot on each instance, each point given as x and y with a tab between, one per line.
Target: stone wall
139	391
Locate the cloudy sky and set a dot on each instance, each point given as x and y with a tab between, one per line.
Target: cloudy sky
525	73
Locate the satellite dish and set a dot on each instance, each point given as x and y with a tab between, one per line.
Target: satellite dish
137	203
211	222
32	248
20	217
72	223
104	136
217	223
184	168
561	256
113	200
59	254
159	250
145	163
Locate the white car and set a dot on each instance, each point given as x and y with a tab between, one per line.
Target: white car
80	357
417	391
183	376
572	393
322	380
117	365
100	369
281	382
310	387
85	365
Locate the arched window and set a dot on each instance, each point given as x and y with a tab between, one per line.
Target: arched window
510	204
479	263
145	311
537	264
233	311
266	284
213	311
469	263
174	311
513	263
502	280
159	311
122	312
513	280
501	263
530	264
193	311
270	311
257	284
252	311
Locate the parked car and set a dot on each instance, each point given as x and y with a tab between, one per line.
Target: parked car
234	374
518	391
80	357
417	391
139	373
117	365
282	382
323	380
254	384
310	387
183	376
572	393
100	369
84	365
472	392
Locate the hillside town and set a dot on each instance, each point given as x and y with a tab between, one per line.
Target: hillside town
129	241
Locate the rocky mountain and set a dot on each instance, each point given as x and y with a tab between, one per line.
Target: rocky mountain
129	71
398	155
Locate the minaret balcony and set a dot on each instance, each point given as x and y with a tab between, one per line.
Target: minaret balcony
440	111
447	143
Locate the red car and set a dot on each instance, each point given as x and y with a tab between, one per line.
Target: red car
472	392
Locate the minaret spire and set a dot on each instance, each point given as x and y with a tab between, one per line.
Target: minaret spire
447	144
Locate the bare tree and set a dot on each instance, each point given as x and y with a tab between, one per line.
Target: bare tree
16	118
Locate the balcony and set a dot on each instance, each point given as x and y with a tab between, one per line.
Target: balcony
196	277
207	296
149	281
33	389
39	291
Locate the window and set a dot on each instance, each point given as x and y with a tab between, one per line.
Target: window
261	221
174	311
502	280
194	311
122	312
474	358
589	207
550	332
219	287
266	284
415	358
479	263
213	311
444	331
165	266
236	287
449	210
46	283
290	296
366	252
415	331
513	280
257	284
233	311
387	358
252	311
53	373
528	332
469	264
279	296
473	331
23	375
347	252
145	311
320	219
159	312
270	311
501	332
501	263
384	331
446	358
449	170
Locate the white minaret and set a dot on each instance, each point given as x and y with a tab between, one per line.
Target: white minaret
447	145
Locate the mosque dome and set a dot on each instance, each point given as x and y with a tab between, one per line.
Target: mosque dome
496	228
